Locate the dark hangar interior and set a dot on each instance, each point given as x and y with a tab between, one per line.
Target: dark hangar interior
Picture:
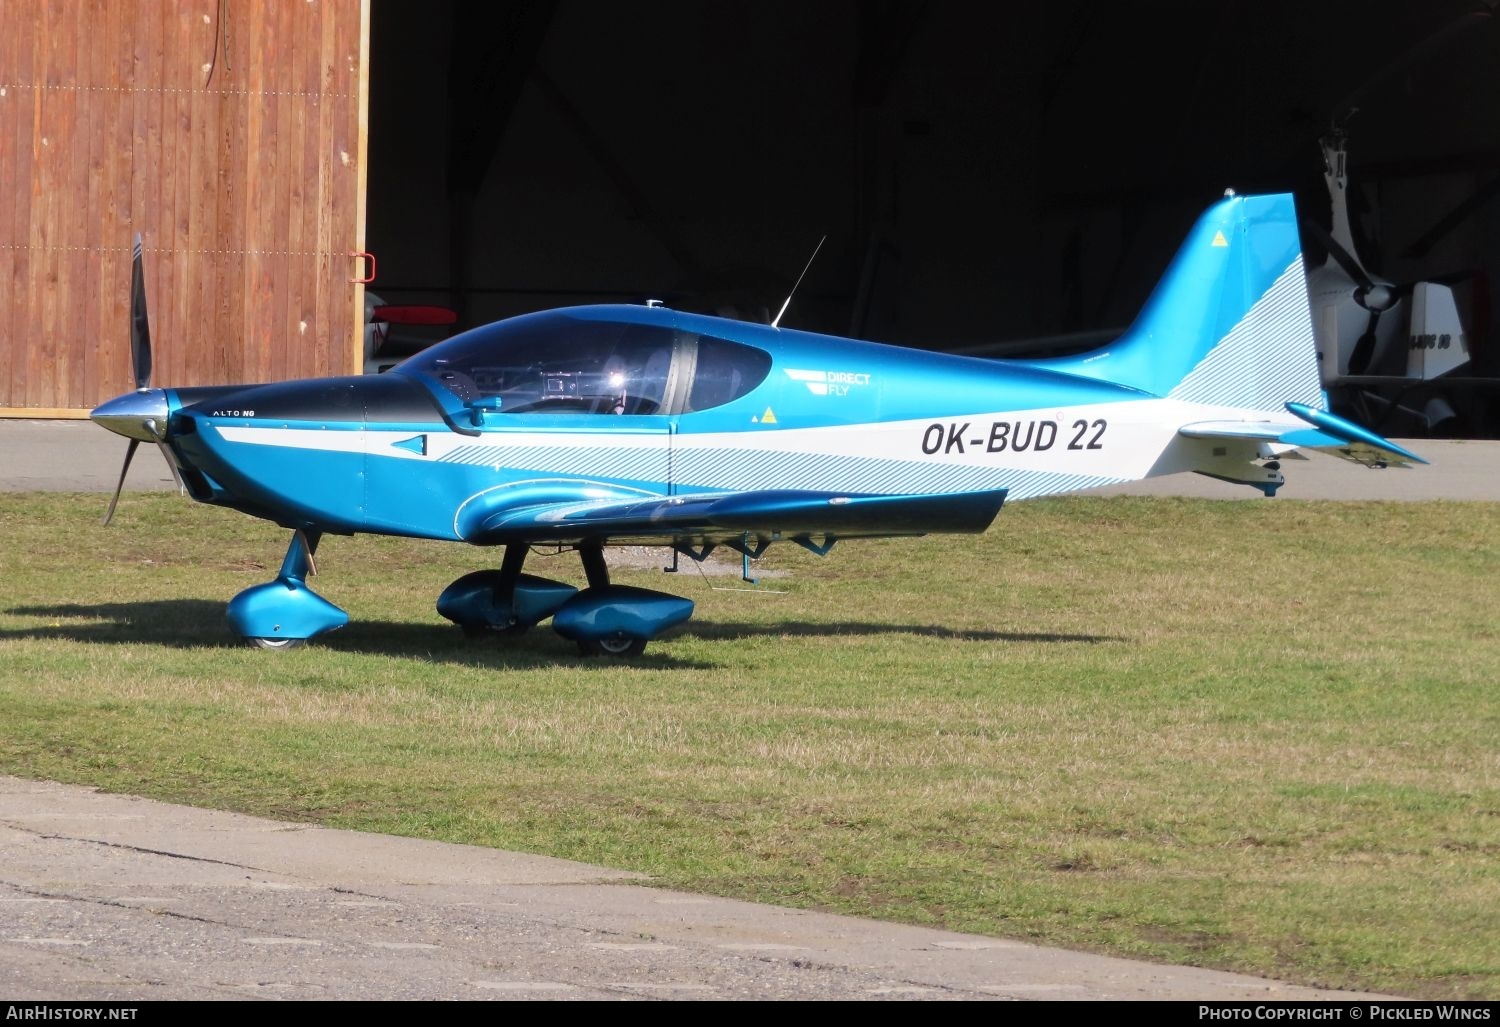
1000	178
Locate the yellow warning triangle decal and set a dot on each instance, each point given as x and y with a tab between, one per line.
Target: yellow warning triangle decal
1219	239
768	417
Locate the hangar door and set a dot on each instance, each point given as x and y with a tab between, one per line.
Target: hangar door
231	137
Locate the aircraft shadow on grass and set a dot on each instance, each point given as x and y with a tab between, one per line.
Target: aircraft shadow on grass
199	624
728	631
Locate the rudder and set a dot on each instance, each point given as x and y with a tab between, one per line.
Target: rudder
1228	324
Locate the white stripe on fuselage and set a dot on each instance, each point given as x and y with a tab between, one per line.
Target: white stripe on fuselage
1086	444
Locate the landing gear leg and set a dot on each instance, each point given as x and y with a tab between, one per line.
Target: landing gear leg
594	567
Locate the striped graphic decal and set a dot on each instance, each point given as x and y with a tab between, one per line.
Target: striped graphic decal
616	462
1268	358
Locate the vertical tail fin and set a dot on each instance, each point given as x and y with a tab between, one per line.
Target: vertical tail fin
1228	324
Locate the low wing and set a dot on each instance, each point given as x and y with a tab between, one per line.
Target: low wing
1313	429
718	517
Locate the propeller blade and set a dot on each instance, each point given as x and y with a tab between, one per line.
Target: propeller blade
1364	349
161	443
172	466
1341	256
140	325
129	452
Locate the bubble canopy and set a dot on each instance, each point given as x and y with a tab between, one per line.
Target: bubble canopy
560	362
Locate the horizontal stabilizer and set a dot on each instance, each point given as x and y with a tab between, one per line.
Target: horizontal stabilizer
1254	431
721	516
1358	440
1328	432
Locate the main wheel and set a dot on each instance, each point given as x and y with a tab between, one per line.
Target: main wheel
275	643
617	646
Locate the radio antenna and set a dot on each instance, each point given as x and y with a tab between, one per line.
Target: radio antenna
803	275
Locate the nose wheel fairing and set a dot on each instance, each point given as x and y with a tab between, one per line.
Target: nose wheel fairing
284	613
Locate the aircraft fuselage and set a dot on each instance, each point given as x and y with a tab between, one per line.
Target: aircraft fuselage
437	447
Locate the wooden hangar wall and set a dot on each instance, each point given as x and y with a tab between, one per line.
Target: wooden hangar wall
230	136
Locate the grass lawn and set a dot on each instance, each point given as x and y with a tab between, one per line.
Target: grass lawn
1262	736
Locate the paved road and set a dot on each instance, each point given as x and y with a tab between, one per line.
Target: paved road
73	456
112	897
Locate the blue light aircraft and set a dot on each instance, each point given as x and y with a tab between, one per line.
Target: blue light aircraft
598	426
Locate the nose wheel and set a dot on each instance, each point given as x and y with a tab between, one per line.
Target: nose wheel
275	643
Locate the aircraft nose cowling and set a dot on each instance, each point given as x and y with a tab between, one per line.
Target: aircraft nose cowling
295	452
345	400
140	415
